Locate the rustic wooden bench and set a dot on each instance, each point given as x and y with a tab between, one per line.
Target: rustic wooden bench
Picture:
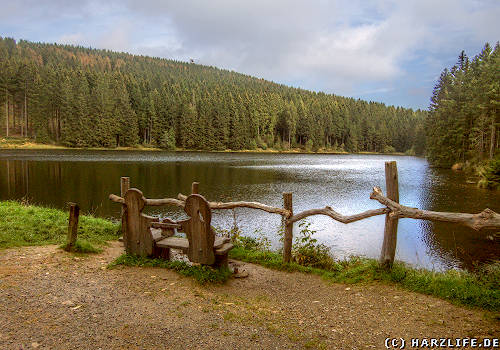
146	235
201	245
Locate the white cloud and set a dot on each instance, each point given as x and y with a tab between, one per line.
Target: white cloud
335	46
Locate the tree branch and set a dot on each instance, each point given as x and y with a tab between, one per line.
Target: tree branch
337	216
486	219
254	205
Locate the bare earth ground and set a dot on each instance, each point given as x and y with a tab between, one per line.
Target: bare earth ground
50	299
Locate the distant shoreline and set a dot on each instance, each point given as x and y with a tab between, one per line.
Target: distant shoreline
29	145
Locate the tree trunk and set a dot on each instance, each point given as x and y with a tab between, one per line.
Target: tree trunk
25	111
6	113
492	138
22	120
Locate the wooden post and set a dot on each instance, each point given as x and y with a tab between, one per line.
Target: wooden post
124	187
391	224
287	242
195	188
74	212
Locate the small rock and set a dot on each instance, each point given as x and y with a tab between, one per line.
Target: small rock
348	288
35	345
241	274
68	303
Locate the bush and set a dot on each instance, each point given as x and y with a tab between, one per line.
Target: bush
307	252
490	174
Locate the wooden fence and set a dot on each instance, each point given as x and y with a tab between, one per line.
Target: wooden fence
392	210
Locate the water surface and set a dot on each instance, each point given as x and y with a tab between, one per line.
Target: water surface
344	182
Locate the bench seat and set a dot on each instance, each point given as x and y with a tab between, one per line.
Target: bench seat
221	245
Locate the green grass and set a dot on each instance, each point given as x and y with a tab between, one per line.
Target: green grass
29	225
201	273
82	246
480	289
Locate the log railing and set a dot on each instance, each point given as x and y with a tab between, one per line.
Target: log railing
393	210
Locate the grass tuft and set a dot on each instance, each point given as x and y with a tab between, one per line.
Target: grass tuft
202	274
29	225
82	246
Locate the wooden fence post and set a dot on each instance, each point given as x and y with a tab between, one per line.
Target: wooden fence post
74	212
287	242
195	188
124	187
391	224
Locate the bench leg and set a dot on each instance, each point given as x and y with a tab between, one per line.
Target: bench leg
163	253
221	260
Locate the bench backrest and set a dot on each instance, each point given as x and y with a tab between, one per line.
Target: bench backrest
198	230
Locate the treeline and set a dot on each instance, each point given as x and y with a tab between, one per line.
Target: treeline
98	98
464	114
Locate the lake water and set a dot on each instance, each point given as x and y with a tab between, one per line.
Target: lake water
344	182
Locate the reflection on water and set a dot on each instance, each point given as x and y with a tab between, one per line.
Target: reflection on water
343	182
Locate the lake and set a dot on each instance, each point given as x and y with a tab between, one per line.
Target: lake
344	182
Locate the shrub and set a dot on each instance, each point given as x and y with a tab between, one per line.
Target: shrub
490	174
307	252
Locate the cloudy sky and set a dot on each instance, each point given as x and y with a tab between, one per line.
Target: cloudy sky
387	51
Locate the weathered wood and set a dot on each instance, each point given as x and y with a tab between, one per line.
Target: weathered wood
151	202
116	199
164	201
487	219
220	243
287	242
124	187
156	235
224	248
346	219
74	212
137	240
232	205
198	230
174	242
165	225
388	251
195	188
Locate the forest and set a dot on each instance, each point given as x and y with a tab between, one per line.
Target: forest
84	97
462	124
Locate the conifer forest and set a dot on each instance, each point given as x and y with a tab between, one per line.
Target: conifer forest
83	97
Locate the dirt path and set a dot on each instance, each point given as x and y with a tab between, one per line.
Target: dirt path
50	299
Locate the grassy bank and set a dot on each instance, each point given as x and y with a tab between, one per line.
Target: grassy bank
28	225
23	225
26	143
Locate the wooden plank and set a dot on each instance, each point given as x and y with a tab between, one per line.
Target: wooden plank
174	242
198	230
74	212
219	241
224	249
165	225
391	223
287	243
156	235
138	237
